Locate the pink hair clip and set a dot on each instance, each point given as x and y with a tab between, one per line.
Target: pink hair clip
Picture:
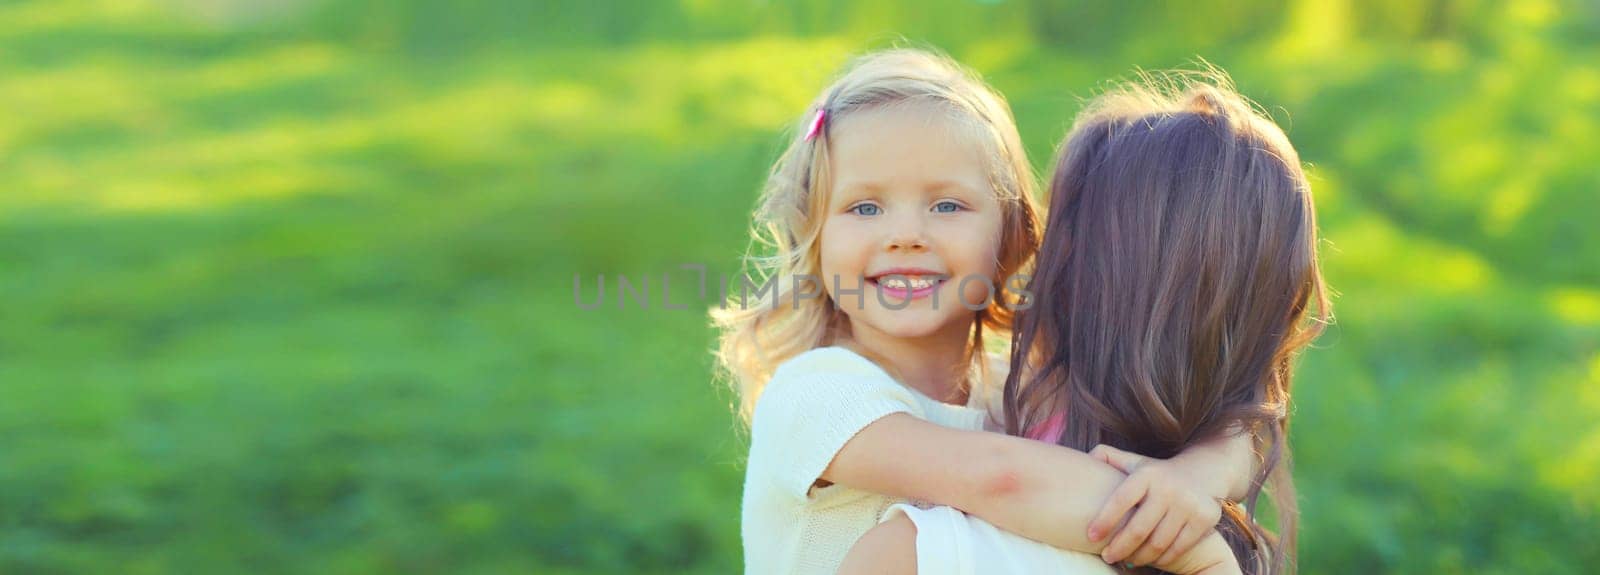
816	124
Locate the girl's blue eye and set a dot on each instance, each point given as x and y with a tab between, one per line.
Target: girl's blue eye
947	207
865	210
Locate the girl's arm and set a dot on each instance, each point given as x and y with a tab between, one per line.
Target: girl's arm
1037	490
1041	491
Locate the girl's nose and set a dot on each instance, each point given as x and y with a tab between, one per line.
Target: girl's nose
909	238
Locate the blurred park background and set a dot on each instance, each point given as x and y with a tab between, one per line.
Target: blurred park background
288	286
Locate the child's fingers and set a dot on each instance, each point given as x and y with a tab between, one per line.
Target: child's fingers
1122	460
1134	533
1187	539
1102	452
1160	541
1127	495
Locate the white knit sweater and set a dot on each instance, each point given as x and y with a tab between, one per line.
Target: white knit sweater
814	403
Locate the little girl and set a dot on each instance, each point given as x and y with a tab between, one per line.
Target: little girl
1176	275
895	220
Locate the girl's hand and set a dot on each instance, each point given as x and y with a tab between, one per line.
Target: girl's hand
1211	556
1170	514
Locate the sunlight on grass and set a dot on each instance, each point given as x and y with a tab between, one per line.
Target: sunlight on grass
136	122
259	70
481	120
273	161
1460	272
106	93
1533	12
1576	469
54	16
654	93
675	95
1474	159
1368	248
1316	29
998	53
1576	306
1583	86
564	102
766	91
178	192
1507	205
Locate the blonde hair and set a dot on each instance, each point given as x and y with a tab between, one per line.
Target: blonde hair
756	338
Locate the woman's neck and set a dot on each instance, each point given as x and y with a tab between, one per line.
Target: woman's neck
936	364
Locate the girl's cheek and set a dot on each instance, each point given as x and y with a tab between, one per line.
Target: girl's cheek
976	291
980	291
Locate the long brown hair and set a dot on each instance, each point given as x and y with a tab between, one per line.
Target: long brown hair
1176	281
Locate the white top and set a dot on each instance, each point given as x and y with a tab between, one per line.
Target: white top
950	542
815	403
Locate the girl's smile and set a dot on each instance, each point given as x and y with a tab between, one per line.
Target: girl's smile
904	284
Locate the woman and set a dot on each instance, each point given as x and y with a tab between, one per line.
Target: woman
1172	290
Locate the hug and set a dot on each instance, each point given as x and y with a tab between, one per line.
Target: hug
1121	412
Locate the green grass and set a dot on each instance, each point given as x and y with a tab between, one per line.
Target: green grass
290	292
